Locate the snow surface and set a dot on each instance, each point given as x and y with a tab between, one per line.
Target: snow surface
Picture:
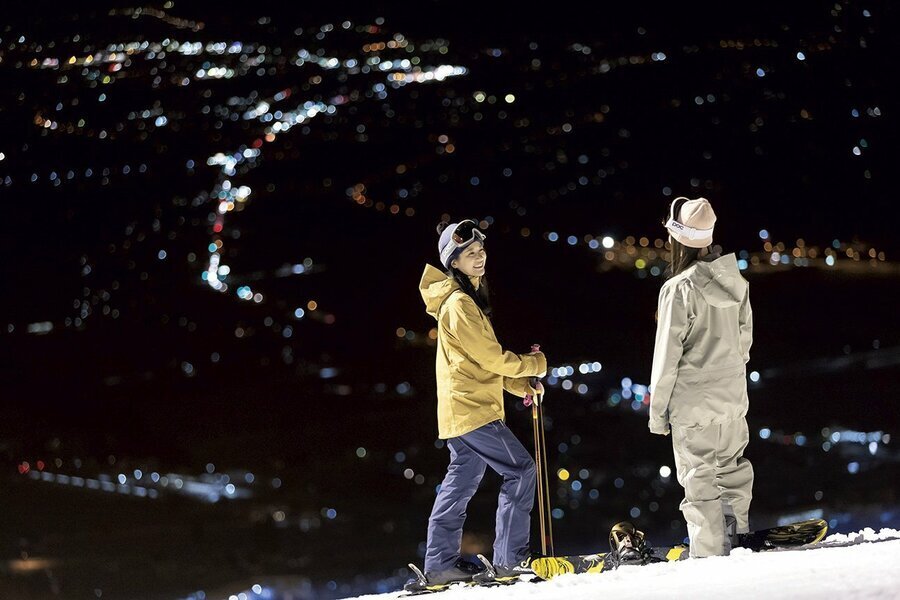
857	565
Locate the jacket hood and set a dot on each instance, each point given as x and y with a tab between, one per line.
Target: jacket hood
720	281
435	287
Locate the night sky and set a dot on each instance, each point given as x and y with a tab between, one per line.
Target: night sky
216	367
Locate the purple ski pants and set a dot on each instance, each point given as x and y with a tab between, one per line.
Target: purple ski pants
491	445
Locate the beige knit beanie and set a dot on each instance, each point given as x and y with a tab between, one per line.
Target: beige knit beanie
693	226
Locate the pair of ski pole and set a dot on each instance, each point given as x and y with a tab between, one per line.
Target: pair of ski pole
540	461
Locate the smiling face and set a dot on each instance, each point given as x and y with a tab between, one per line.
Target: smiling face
472	260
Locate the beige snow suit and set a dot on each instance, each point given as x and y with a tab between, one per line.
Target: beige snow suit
698	388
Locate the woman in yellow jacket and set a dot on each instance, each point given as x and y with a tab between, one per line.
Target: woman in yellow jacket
472	372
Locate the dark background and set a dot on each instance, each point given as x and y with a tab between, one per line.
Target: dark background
148	369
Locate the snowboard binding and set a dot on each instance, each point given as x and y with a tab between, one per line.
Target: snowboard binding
627	544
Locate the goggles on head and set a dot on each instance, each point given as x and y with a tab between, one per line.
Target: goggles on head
463	234
675	227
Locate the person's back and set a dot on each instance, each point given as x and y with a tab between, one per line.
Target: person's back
710	387
698	385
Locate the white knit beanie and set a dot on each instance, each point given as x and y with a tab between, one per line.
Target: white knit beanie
694	223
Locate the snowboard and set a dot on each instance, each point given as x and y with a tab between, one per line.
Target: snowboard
793	535
551	566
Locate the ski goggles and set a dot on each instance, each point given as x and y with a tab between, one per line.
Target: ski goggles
691	233
463	234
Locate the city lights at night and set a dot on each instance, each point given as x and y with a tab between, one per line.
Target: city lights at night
219	378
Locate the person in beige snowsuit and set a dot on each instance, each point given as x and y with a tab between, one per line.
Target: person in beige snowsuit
698	385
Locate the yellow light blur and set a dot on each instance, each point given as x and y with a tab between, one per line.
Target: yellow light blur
31	565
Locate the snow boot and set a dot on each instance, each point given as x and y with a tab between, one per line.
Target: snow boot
731	534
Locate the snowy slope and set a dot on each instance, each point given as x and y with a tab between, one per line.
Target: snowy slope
867	568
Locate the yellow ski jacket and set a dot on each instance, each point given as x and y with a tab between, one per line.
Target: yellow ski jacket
472	368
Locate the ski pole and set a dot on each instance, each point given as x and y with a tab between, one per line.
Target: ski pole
546	472
529	401
540	461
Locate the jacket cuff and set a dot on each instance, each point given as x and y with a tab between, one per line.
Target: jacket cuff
519	387
659	426
541	361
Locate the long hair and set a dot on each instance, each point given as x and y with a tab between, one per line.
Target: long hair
481	296
680	258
